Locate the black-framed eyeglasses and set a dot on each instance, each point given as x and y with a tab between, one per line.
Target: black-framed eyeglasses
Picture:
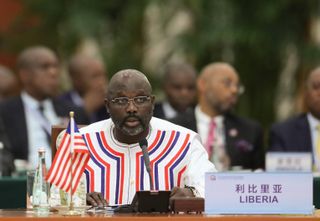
139	101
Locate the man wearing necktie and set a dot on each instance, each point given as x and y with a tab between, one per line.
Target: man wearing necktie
232	142
28	128
301	133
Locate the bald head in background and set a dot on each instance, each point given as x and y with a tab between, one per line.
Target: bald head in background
89	80
180	85
38	69
87	73
218	87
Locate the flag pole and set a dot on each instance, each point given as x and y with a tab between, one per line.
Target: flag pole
71	212
71	152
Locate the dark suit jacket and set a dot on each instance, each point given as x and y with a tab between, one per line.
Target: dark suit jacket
100	114
244	139
14	120
158	111
291	135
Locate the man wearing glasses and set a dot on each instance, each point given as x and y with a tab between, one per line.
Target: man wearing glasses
116	168
232	142
28	118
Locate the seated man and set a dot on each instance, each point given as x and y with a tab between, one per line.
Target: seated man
231	141
28	118
179	85
116	168
89	81
301	133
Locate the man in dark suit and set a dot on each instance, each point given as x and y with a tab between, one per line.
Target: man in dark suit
89	81
301	133
291	135
179	85
28	118
232	142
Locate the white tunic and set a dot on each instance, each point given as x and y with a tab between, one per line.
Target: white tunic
117	170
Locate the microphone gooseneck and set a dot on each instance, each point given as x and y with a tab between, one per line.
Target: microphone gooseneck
144	146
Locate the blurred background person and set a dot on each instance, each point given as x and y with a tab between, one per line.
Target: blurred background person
89	81
8	83
301	133
231	141
28	117
179	86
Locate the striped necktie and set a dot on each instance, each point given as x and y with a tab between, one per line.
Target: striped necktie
210	137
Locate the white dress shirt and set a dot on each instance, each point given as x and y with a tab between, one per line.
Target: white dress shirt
203	122
38	126
169	111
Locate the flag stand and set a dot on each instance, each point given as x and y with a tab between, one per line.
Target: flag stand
71	211
68	166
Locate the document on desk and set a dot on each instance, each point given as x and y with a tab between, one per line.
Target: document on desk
258	193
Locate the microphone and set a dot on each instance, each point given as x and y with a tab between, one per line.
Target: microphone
144	146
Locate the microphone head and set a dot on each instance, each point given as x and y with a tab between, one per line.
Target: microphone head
143	143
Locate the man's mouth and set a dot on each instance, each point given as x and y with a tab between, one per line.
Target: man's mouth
132	122
233	100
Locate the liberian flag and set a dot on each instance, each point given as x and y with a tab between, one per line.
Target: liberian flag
72	145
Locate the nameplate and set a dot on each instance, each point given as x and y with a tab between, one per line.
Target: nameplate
258	193
288	161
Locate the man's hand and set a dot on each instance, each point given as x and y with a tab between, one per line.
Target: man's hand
96	199
181	192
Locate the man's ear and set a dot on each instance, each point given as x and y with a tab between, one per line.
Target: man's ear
23	76
200	84
152	99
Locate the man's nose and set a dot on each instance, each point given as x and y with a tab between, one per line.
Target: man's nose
185	92
234	88
131	106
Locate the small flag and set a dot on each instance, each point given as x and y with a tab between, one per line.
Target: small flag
72	144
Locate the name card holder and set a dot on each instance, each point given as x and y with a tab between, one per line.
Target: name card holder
258	193
288	161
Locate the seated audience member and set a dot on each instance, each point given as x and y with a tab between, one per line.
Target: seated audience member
116	168
89	82
230	140
179	85
28	117
8	83
301	133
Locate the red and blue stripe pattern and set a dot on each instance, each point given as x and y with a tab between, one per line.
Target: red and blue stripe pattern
73	147
118	170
